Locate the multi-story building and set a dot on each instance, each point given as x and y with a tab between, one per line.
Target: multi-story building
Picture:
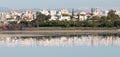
28	15
83	16
44	12
53	15
117	12
64	15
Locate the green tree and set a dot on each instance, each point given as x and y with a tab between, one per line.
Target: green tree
117	23
112	15
24	23
40	19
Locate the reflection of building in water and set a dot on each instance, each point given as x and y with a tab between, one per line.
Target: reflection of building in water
61	41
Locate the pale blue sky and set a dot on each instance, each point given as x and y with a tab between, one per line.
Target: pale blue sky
52	4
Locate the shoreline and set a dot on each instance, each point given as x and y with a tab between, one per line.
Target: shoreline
56	32
60	31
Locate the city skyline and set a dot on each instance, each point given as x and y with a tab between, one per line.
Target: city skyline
53	4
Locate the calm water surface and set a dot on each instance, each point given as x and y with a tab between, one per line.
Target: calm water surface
85	45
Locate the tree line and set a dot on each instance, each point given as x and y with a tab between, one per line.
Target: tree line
111	20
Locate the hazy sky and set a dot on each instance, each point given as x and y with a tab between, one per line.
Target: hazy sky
52	4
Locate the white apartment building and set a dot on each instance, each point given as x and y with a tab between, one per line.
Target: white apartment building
2	16
104	13
7	15
53	15
63	11
44	12
64	18
64	14
28	15
117	12
83	16
61	15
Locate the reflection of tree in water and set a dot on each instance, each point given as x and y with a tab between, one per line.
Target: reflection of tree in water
72	40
